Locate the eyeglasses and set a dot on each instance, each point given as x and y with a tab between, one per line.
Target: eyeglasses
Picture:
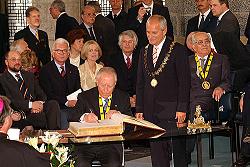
60	51
90	14
205	42
14	60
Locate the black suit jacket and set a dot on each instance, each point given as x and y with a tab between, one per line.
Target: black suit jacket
140	28
120	22
52	82
229	44
126	78
87	35
218	76
19	154
209	24
11	88
40	47
161	103
65	24
247	30
89	100
4	40
107	32
229	23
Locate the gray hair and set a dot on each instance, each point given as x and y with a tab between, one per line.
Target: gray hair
60	41
106	70
96	5
59	4
15	45
193	37
129	33
160	19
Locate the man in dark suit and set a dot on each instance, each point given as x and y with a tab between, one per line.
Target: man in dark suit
205	21
118	16
205	89
4	40
226	19
59	78
138	16
88	19
15	153
125	63
247	31
64	22
36	39
101	103
162	90
107	32
26	95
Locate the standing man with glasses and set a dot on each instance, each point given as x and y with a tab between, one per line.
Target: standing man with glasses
26	95
59	78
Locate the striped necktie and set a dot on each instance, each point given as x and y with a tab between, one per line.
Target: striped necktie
105	106
63	72
37	36
155	56
22	88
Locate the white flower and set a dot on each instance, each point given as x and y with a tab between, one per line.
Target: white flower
52	139
33	142
62	155
42	148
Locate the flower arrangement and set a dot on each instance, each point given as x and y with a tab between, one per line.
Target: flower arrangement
60	155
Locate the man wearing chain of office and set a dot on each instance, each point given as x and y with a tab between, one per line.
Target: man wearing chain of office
210	79
163	84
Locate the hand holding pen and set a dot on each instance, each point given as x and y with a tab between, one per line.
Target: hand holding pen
91	117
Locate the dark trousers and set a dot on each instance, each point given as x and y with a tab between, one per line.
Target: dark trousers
161	152
49	118
66	115
109	155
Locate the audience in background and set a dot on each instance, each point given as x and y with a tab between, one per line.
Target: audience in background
92	52
76	42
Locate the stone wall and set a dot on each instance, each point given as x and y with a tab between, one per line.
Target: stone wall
180	11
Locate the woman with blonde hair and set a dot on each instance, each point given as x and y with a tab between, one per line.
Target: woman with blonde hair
92	52
30	62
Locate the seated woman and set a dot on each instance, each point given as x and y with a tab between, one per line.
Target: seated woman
76	42
92	52
30	62
14	153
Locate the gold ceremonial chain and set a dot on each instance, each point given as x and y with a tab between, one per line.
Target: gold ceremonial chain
204	75
102	114
163	64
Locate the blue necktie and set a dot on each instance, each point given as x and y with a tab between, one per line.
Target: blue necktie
105	106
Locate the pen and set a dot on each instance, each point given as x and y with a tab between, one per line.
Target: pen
91	111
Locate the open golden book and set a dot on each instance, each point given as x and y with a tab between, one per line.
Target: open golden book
114	126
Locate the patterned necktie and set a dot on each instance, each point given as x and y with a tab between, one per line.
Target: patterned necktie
201	22
63	72
22	88
105	106
202	61
218	22
128	62
91	33
37	36
155	56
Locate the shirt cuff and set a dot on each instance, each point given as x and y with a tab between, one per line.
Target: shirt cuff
30	104
82	117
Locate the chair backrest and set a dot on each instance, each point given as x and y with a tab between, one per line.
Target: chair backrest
225	107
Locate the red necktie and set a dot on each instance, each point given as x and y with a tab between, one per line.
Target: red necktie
63	71
128	62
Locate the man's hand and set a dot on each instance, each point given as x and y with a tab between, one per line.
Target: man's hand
110	113
141	13
217	93
132	100
91	118
139	115
241	103
180	116
72	103
16	116
37	107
